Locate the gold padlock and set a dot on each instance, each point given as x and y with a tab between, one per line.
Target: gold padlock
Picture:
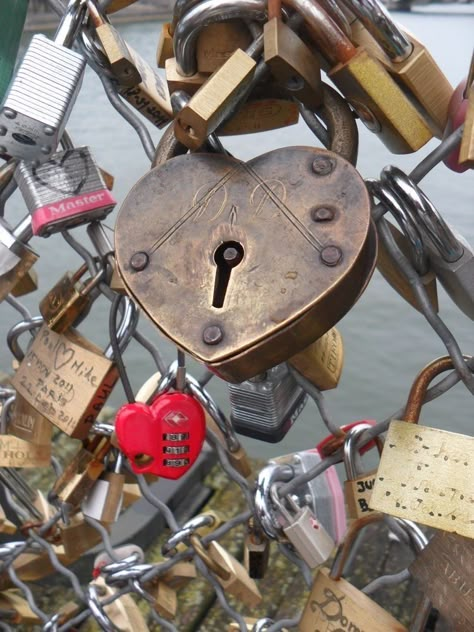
166	600
67	379
22	613
117	5
217	42
15	452
179	575
190	84
6	526
165	45
445	573
292	63
466	151
69	298
17	259
214	100
123	612
121	63
433	486
321	363
261	114
378	100
28	424
77	537
26	285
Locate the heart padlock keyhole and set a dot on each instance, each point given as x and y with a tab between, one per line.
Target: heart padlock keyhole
227	256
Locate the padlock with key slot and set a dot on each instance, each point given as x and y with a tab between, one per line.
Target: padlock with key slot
321	363
115	49
28	424
370	89
256	550
66	191
241	267
358	487
230	573
433	486
303	530
104	501
67	379
166	600
43	92
445	573
68	299
266	406
405	58
16	257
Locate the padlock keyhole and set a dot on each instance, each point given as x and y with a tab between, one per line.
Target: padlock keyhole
227	256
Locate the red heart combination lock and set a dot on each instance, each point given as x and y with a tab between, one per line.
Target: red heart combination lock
164	438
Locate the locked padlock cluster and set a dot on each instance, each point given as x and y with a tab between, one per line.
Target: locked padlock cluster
246	267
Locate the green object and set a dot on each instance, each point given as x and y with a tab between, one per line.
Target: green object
12	21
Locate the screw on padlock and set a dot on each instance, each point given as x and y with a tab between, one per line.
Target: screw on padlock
256	550
266	406
378	100
68	299
104	501
67	190
451	257
358	487
16	257
44	90
405	58
303	530
430	456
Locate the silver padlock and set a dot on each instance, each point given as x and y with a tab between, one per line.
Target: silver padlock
66	191
303	530
104	501
266	406
16	258
451	257
43	92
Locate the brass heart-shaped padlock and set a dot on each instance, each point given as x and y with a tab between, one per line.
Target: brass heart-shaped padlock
243	264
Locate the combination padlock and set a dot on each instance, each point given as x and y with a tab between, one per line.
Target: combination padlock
43	92
66	191
163	439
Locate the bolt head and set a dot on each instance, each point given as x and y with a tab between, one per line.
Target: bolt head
331	255
323	165
212	335
139	261
49	131
11	114
322	214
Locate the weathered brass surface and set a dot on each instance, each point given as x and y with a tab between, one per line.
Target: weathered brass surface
122	612
15	452
261	115
25	259
176	81
28	424
165	46
322	362
217	42
277	302
292	63
214	100
166	600
117	5
11	600
26	285
466	152
121	61
67	379
445	572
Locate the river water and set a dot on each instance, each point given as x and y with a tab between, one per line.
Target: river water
386	341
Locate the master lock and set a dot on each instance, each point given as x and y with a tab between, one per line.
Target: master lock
200	235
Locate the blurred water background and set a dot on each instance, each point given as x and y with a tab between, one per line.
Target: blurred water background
386	341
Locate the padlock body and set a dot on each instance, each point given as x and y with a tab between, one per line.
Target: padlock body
63	304
267	406
310	539
217	42
357	493
16	259
466	151
28	424
322	362
165	46
66	191
40	99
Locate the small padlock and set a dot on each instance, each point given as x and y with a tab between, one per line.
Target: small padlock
261	114
68	299
179	575
256	550
266	406
165	438
115	49
22	613
445	573
77	537
43	92
16	257
166	600
230	573
321	363
304	531
123	613
15	452
26	285
104	501
165	45
28	424
176	81
218	41
424	472
357	487
66	191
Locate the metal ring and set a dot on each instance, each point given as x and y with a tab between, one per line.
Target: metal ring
265	479
348	449
15	332
133	572
98	611
262	624
186	531
114	567
212	565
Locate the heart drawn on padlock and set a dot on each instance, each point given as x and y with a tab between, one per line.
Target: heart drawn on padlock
74	175
164	438
245	264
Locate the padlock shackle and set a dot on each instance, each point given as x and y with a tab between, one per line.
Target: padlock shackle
70	23
273	9
350	446
420	386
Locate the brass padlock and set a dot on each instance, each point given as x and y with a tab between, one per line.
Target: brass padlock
16	257
261	114
380	103
28	424
6	526
433	486
292	63
123	613
104	501
117	5
82	471
466	151
251	310
230	573
208	108
256	551
67	379
165	45
218	41
68	299
166	600
176	81
26	285
15	452
118	56
445	573
321	363
10	600
179	575
150	97
77	537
